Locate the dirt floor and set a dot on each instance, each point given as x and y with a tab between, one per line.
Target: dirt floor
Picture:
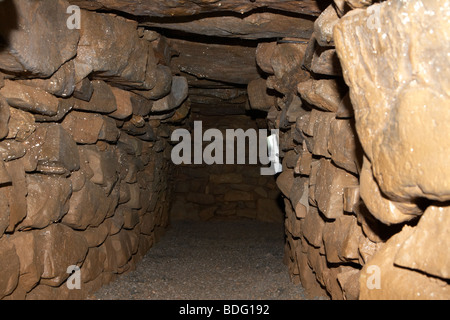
220	260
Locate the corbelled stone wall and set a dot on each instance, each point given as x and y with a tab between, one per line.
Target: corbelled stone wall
86	116
84	151
365	154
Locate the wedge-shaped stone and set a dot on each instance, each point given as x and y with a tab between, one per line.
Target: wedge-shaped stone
124	105
29	98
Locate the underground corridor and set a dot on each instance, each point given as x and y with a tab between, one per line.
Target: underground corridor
224	150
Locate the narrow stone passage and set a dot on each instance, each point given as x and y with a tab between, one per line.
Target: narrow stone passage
211	260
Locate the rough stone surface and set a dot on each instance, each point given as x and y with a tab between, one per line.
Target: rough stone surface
84	127
187	8
414	94
47	200
29	98
26	25
177	95
421	251
4	117
10	266
323	26
58	247
258	96
102	100
329	189
260	25
382	279
323	94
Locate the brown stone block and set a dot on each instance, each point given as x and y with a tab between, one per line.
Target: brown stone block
93	265
341	239
323	26
264	53
308	278
329	188
321	134
387	211
351	198
47	200
102	101
258	95
123	102
60	84
400	154
326	62
59	153
16	193
312	227
4	117
427	249
10	266
36	44
88	207
285	181
21	124
382	279
324	94
29	98
59	247
349	282
84	127
95	236
344	147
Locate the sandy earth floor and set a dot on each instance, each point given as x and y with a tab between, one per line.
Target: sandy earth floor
221	260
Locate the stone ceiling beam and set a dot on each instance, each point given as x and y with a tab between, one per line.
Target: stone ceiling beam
254	26
219	62
154	8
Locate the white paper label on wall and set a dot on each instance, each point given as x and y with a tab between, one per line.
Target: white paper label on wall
274	152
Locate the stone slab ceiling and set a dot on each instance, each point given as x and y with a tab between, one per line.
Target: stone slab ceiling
191	7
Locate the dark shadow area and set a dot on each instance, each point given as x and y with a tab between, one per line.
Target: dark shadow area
8	22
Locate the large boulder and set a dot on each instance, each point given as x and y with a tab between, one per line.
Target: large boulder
395	93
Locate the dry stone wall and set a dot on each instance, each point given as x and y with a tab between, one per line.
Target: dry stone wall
84	151
225	191
361	110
